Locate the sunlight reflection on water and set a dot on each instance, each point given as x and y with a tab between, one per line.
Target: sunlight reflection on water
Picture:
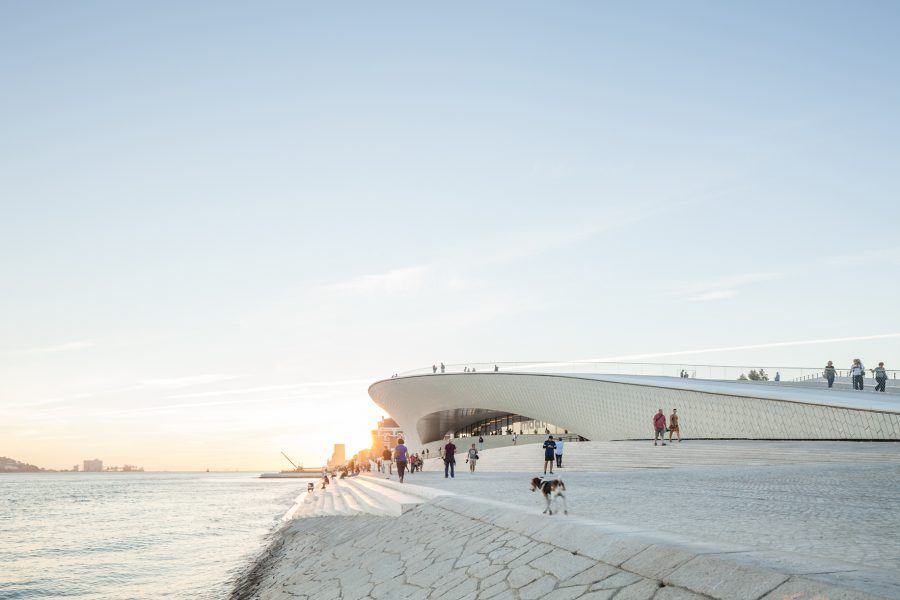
134	535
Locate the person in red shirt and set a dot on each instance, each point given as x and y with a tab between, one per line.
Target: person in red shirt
659	424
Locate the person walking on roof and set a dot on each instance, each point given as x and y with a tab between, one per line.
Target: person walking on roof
549	454
449	459
857	373
558	451
829	373
659	425
442	367
880	377
433	369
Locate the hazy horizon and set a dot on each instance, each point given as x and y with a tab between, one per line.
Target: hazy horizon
223	222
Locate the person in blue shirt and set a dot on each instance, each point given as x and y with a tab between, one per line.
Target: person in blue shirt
549	452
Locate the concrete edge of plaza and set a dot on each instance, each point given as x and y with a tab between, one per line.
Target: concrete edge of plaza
713	569
619	407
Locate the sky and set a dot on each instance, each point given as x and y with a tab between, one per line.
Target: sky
222	221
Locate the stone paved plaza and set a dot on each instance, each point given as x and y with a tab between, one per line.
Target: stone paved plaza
434	553
824	528
842	512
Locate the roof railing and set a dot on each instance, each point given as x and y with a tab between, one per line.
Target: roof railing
764	373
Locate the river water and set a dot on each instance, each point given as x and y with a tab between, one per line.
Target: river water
134	535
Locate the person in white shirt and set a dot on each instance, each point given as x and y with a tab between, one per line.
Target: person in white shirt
857	373
559	452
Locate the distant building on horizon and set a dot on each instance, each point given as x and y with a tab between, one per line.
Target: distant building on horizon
93	466
338	457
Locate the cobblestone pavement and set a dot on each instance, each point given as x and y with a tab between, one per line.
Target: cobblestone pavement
842	512
435	554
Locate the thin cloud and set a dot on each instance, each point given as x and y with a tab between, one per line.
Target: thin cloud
271	388
180	382
519	246
405	279
722	288
857	338
64	347
715	295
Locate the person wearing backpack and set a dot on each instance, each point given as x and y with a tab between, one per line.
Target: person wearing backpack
880	377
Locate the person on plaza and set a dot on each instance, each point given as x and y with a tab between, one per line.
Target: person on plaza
449	459
880	377
515	439
480	443
857	374
387	467
434	369
496	368
777	376
549	454
829	373
681	374
673	425
442	367
558	451
400	455
659	425
472	458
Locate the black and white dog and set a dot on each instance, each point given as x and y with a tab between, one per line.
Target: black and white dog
551	489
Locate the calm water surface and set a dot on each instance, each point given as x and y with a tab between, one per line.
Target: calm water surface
134	535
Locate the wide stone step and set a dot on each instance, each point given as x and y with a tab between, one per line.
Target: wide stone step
394	501
367	503
350	502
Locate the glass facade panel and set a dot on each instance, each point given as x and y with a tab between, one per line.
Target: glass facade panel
507	425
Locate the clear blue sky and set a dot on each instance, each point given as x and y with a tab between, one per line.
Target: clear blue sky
207	207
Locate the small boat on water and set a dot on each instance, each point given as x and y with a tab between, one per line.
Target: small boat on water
298	472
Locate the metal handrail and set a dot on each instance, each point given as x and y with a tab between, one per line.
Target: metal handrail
694	371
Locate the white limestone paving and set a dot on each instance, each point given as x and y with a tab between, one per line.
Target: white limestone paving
724	520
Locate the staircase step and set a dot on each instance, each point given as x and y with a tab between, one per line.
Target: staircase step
340	507
369	504
353	506
395	501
